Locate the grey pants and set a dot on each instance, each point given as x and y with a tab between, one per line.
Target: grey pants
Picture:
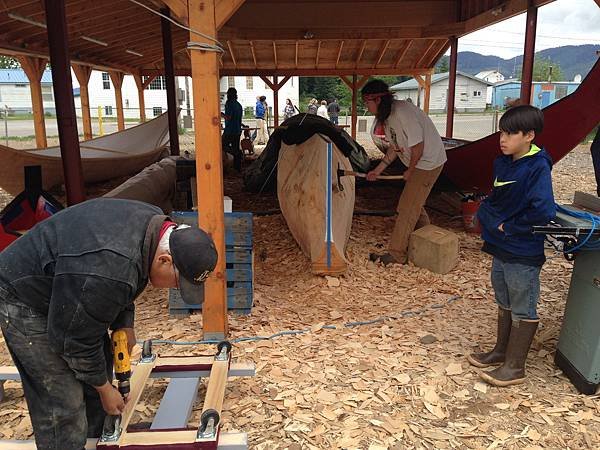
64	411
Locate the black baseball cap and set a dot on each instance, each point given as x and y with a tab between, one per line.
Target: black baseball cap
195	257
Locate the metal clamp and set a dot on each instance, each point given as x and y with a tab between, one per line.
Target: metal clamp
147	355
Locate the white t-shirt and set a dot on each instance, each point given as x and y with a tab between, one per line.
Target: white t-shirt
322	111
406	127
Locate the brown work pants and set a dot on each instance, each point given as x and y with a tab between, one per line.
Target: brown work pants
411	211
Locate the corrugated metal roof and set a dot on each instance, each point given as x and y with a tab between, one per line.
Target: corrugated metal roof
436	77
17	76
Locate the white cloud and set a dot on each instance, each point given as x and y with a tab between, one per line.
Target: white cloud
560	23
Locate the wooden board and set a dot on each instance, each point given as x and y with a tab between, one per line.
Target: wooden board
302	188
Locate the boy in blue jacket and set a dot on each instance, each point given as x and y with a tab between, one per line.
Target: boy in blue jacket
521	197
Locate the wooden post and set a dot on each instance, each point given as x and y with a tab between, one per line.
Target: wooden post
34	69
427	93
354	119
142	103
58	45
275	102
83	76
167	45
528	55
451	87
117	81
209	170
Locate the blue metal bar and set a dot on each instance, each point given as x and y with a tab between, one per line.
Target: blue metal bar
329	194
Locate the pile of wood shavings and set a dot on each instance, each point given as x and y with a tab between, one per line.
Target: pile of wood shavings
400	383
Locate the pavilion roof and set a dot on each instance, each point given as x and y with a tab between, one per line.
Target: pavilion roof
266	37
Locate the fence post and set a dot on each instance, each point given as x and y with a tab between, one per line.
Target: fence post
495	121
100	127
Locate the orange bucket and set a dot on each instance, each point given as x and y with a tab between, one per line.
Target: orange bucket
469	211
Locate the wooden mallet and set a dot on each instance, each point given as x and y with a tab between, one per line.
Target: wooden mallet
350	173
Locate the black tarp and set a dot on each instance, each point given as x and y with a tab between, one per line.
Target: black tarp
261	175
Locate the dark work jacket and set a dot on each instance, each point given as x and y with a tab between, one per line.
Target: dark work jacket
83	267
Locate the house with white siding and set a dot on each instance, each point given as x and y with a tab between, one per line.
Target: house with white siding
102	94
15	94
493	76
470	94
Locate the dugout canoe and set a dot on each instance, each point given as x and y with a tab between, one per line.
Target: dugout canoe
316	204
114	155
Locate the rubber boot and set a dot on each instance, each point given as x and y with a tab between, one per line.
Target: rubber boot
496	355
513	369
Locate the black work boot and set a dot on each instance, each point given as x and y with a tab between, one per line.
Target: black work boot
496	355
383	258
513	369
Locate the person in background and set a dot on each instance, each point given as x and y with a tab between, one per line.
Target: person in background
595	149
259	115
289	109
407	133
333	110
233	128
322	110
312	106
521	198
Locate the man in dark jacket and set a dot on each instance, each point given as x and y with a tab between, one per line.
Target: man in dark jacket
70	279
333	110
233	128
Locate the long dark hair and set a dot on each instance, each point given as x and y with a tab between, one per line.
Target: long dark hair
381	90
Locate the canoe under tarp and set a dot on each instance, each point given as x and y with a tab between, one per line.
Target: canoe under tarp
114	155
261	175
316	203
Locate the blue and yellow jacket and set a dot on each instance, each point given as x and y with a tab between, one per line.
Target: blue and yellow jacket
521	197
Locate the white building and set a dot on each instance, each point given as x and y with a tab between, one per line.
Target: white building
469	95
492	76
102	94
15	94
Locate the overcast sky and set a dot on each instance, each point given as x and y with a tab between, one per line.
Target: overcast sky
562	22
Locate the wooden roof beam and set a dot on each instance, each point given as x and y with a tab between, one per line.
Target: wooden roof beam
312	72
296	55
384	47
269	83
424	55
402	52
506	10
225	9
339	54
443	46
230	48
253	53
360	52
275	53
318	54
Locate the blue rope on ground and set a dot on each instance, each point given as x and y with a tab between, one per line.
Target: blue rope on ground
401	315
587	242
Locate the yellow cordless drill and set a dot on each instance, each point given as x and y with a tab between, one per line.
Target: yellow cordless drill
112	424
122	362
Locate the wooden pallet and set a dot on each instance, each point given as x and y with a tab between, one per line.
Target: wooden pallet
238	265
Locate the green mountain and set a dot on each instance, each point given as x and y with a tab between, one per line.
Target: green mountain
572	59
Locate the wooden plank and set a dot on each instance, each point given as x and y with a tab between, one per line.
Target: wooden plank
253	53
83	77
402	52
587	201
205	83
427	93
231	52
34	69
337	59
176	405
215	391
360	52
224	10
117	80
384	47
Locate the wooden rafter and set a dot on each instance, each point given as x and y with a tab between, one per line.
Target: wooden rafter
225	9
231	53
318	54
423	57
384	47
339	54
402	52
360	52
269	83
443	46
296	55
253	53
275	53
